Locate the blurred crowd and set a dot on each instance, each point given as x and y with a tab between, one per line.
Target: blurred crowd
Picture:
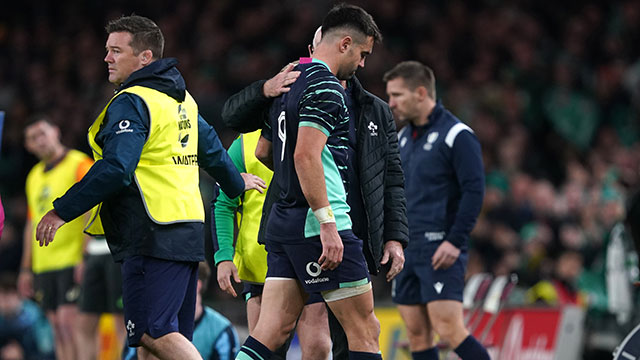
552	90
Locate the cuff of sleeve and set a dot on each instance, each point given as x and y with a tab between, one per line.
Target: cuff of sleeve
58	206
223	255
458	240
399	237
258	87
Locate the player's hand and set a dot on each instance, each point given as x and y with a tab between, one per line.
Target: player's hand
332	248
279	84
25	284
253	182
393	250
46	230
227	270
445	256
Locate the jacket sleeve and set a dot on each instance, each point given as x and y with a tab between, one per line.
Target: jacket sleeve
122	138
223	210
244	111
215	160
395	204
467	162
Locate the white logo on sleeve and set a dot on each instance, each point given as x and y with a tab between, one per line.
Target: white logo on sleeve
438	286
313	269
124	127
130	327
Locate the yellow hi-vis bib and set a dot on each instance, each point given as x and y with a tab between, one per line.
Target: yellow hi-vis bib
250	257
167	174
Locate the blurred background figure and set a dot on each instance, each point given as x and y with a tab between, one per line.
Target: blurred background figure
24	330
51	274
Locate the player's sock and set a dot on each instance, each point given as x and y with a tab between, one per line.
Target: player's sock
470	348
253	349
429	354
359	355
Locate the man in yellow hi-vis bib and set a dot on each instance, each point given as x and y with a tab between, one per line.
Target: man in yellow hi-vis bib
51	274
149	142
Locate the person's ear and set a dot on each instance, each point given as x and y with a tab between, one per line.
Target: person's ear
345	43
147	56
421	92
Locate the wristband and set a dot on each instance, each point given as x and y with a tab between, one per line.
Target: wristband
324	215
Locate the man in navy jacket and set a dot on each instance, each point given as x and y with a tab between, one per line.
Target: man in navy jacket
444	183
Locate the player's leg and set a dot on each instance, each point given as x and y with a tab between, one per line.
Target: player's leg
113	280
351	301
87	335
411	290
90	305
419	331
340	345
154	292
66	311
313	330
282	302
445	309
253	305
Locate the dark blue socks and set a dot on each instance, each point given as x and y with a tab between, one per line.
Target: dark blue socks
429	354
252	349
359	355
470	348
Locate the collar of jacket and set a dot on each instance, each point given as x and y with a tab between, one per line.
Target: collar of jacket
360	95
161	75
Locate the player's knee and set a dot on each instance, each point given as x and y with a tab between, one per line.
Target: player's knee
319	348
447	327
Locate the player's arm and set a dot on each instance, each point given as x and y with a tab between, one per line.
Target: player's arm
223	212
246	110
320	109
214	159
308	164
396	228
25	278
467	163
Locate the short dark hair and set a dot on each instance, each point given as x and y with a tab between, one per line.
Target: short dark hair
414	74
39	117
345	16
145	34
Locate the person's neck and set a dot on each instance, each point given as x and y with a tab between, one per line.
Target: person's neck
327	59
57	155
423	119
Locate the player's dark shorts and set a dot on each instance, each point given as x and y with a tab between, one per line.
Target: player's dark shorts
159	297
418	283
101	285
252	290
299	261
55	288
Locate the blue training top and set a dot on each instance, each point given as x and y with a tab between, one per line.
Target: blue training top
444	178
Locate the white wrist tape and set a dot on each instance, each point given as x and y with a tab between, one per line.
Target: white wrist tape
324	215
